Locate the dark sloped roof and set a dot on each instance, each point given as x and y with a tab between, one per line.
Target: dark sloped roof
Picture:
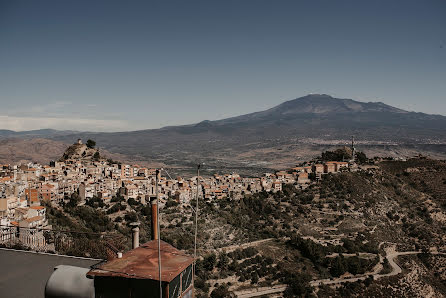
24	273
142	263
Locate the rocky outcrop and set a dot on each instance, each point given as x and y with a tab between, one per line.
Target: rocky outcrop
80	151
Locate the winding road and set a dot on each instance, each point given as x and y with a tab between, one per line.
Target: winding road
391	254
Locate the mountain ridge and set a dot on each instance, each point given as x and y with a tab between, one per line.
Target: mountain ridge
301	128
317	104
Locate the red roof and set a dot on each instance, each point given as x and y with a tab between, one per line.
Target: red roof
35	218
142	263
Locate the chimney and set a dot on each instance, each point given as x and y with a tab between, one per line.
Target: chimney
135	234
154	203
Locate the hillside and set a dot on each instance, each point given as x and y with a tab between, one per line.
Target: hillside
298	128
367	224
14	151
377	232
278	137
17	150
39	133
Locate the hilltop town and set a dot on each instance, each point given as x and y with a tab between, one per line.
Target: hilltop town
339	224
82	172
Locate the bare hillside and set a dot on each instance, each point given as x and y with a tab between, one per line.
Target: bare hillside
15	151
25	150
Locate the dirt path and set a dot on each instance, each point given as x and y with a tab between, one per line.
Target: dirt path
391	254
244	245
260	291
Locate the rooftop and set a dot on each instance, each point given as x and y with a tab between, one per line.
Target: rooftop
25	273
142	263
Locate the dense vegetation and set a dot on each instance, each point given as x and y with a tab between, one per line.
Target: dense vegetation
331	228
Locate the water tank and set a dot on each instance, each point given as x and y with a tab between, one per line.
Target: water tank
69	281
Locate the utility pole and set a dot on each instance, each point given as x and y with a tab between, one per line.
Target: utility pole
196	217
353	149
158	228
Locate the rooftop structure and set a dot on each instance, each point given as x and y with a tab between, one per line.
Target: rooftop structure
26	273
137	271
142	263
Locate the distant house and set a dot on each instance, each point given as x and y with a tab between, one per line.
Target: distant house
32	196
302	178
281	175
318	168
330	167
8	206
48	192
341	165
277	186
41	211
33	222
131	191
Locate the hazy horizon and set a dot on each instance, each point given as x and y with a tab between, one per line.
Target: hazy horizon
235	115
113	66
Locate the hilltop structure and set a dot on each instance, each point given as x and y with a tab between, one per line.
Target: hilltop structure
80	151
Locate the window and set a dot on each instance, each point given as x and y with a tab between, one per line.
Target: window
174	287
187	278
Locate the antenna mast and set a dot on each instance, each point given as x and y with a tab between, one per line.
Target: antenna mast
158	228
196	216
353	148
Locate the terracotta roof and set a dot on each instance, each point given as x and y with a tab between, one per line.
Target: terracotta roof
35	218
142	263
37	207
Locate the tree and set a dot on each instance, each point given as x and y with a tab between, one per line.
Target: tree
96	156
221	292
171	203
132	201
209	262
223	261
90	144
361	157
298	286
340	154
74	200
337	267
254	278
130	217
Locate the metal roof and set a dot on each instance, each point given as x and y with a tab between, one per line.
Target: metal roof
142	263
25	273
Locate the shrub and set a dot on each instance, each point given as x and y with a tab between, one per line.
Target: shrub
90	144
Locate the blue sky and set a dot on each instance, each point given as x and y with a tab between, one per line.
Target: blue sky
124	65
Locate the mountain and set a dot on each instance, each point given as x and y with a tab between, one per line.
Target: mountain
312	115
18	150
299	128
39	133
317	104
